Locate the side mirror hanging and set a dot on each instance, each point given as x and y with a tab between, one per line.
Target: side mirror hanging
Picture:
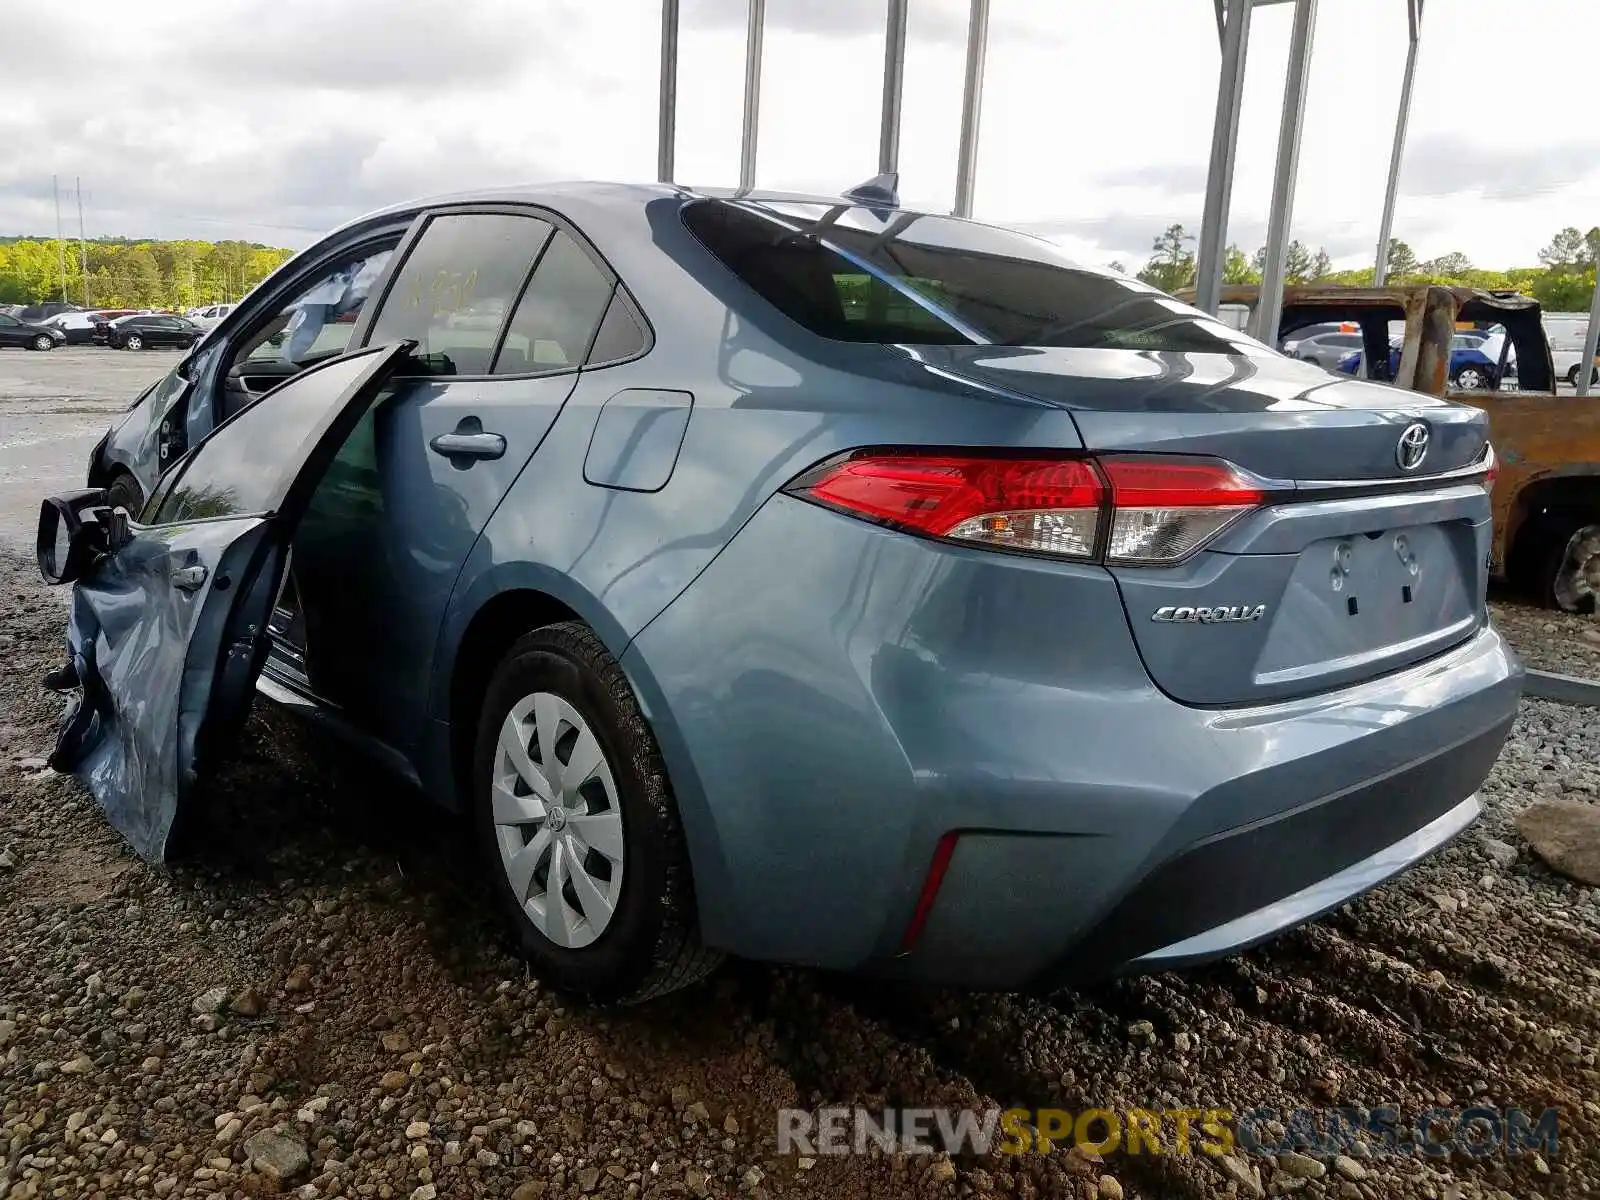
67	543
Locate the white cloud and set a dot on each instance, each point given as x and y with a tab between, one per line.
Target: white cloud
274	119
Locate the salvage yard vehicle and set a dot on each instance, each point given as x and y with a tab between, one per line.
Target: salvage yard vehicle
1547	489
802	578
151	330
28	336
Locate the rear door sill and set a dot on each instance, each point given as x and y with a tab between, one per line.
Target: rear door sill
283	690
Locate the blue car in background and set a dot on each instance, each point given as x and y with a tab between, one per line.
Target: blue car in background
1471	369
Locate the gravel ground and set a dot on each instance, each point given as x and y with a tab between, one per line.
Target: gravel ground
321	1005
1551	641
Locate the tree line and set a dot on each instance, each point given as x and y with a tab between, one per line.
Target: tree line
117	273
1563	282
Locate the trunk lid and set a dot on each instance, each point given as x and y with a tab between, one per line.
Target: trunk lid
1354	567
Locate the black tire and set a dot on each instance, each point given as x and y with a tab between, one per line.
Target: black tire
1549	546
124	492
652	944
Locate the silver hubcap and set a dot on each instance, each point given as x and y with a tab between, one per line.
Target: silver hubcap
134	343
1469	380
42	342
557	820
1578	576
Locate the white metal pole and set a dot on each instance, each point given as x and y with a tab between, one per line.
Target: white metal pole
894	73
1270	305
1235	29
83	249
752	93
1591	339
61	245
667	129
1380	271
971	106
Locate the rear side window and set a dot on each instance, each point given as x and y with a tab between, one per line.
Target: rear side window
853	274
556	319
453	291
621	335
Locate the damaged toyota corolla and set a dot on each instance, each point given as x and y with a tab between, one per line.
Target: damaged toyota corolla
799	578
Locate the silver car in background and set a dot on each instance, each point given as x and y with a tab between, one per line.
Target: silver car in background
1324	349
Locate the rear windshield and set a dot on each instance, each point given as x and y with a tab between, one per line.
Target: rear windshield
850	274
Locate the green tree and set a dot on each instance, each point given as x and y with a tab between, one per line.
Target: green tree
1299	264
1567	249
1236	268
1447	267
1402	260
1171	264
1567	290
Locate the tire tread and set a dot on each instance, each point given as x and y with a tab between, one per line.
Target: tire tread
679	958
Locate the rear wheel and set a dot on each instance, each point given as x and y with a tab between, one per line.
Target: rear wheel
1471	379
576	818
44	342
1563	562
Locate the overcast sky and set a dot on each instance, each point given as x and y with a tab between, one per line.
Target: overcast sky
274	120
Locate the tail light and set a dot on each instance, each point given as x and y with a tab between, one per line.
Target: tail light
1048	505
1164	508
1134	509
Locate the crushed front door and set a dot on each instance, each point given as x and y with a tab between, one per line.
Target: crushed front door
167	631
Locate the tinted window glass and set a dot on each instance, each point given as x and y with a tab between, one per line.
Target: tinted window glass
246	463
556	318
621	336
452	292
1004	287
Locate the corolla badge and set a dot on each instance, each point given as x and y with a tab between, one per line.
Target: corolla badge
1218	615
1413	446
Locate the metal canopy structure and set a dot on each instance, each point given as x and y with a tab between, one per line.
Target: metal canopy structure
1233	32
1380	272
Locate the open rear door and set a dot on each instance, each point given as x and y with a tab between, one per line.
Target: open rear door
168	623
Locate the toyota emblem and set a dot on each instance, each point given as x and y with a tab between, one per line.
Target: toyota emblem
1413	446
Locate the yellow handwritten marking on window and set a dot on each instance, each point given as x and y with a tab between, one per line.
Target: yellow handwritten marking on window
449	292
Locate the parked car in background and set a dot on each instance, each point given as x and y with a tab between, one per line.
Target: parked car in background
42	312
1471	368
28	335
1566	333
762	513
78	328
1325	349
207	318
100	324
151	330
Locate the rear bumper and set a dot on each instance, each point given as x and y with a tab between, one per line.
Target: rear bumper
1310	901
833	699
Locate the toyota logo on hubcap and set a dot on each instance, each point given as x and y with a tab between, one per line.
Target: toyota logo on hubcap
1413	447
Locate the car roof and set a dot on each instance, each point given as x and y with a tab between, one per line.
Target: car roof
616	197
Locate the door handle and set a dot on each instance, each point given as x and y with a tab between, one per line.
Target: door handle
468	443
189	579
